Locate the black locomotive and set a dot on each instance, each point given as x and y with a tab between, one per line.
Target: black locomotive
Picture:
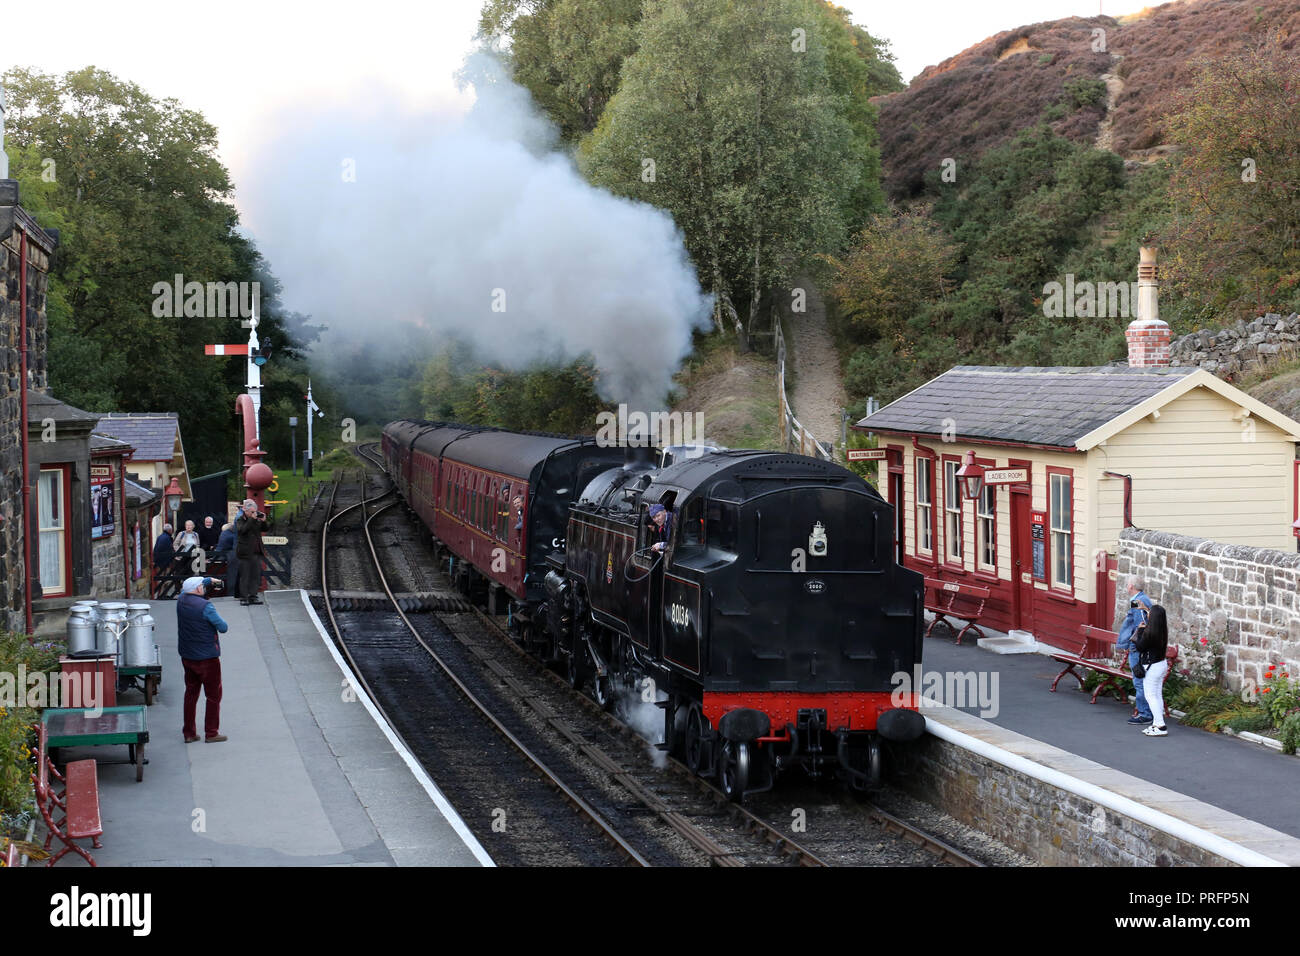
752	595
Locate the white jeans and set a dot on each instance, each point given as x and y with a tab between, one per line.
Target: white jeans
1153	686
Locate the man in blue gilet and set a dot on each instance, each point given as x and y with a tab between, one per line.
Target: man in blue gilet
197	626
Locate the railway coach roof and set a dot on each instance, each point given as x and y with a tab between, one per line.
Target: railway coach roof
507	453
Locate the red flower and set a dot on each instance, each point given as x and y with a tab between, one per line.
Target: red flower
1267	689
1205	641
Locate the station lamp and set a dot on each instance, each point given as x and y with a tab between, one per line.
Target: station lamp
971	476
173	496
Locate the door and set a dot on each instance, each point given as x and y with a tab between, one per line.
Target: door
1022	587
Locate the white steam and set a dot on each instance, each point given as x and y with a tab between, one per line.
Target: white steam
644	717
448	217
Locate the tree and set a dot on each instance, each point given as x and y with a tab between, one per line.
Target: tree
134	186
566	53
897	265
1234	243
725	118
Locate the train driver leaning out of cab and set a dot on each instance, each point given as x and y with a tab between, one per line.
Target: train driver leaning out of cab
661	526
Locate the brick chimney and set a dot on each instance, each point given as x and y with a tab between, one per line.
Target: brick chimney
1148	337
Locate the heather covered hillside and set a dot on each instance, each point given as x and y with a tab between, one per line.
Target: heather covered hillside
1079	75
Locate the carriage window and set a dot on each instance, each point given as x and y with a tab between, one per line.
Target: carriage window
721	520
503	512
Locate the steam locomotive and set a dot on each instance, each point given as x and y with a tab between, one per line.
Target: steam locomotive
766	615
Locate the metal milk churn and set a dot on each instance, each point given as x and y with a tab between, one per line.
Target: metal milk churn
138	646
81	631
111	627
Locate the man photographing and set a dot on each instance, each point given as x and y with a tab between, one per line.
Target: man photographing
248	550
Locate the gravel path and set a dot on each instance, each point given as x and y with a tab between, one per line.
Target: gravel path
818	392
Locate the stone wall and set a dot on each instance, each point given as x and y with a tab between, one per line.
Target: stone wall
11	533
1046	823
1230	352
106	559
1244	596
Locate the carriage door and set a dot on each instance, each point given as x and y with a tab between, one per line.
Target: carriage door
1022	557
642	571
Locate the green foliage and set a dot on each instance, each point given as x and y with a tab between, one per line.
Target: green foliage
1234	242
1246	718
1290	733
1280	694
135	187
1084	91
1203	705
752	153
566	53
456	386
17	743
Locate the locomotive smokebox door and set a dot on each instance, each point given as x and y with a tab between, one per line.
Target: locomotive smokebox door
817	541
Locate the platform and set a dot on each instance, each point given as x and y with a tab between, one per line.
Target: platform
309	777
1211	781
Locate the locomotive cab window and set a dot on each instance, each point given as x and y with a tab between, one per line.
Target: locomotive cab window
721	524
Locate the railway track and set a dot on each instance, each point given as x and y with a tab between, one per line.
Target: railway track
696	812
538	767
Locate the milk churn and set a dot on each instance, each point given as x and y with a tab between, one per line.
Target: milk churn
81	631
111	627
138	650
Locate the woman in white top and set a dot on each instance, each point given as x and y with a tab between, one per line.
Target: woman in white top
189	538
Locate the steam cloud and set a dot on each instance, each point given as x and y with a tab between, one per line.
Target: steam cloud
444	212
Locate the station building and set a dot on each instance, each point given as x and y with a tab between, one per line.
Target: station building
1071	456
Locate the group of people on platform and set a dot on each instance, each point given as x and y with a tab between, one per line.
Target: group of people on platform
237	544
1145	636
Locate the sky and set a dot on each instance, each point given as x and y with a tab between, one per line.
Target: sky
242	63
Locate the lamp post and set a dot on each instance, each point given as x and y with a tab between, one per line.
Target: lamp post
971	476
173	496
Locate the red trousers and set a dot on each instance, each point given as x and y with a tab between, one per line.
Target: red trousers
205	675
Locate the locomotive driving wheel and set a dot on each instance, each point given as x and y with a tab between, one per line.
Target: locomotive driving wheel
695	739
733	769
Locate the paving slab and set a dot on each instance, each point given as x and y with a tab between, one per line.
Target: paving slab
309	776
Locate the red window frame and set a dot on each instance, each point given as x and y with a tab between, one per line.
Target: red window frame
1049	532
980	568
930	557
948	562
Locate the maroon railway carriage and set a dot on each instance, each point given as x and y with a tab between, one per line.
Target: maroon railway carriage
463	481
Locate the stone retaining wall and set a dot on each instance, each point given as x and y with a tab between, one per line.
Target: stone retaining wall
1244	596
1230	352
1047	824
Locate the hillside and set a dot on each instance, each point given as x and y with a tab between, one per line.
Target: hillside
1058	71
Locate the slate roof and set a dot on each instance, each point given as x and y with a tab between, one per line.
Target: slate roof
100	442
141	492
1037	406
41	406
152	433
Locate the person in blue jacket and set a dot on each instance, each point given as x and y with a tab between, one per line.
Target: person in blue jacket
226	552
197	626
1138	606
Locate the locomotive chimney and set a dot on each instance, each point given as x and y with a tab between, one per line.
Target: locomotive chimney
1148	337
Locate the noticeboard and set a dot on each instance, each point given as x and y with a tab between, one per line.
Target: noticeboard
1038	540
103	514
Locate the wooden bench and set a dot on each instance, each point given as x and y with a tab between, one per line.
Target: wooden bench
1097	652
962	601
78	803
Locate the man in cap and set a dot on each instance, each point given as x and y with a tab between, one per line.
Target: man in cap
197	626
661	526
248	549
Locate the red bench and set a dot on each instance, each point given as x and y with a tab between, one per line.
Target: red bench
962	601
1097	653
79	802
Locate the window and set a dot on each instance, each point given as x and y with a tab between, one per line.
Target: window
52	520
986	509
1062	522
952	512
924	499
503	512
722	524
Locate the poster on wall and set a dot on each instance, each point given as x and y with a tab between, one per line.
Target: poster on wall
101	501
